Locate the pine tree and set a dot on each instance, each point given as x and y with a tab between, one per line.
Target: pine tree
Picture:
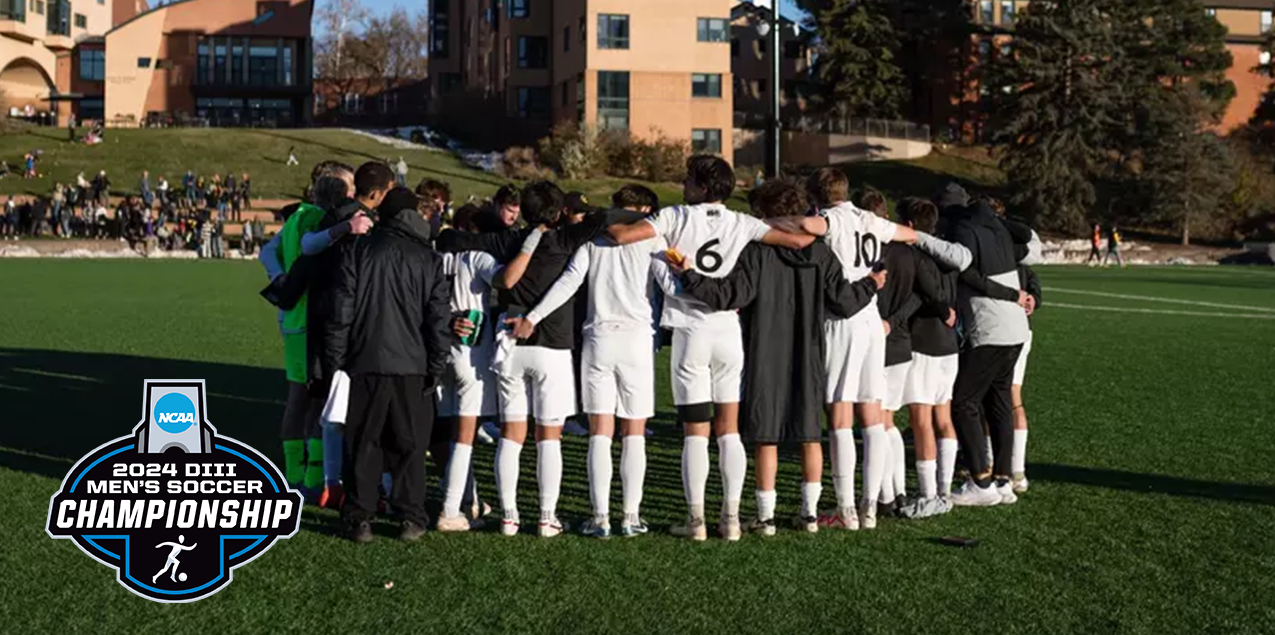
1262	124
1058	98
857	67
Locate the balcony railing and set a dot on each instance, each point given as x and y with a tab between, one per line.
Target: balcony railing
881	128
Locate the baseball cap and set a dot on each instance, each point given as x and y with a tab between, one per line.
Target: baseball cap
578	203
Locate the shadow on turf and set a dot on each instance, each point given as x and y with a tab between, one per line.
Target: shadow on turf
1153	483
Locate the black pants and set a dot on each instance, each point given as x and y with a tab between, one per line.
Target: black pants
982	390
387	428
301	414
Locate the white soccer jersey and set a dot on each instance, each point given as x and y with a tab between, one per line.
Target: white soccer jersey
857	236
622	285
711	237
472	273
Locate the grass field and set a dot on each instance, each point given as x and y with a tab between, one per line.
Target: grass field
263	154
1152	507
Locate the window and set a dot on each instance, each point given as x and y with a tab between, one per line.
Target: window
81	22
533	52
706	85
613	100
1007	12
39	6
985	12
204	76
143	62
236	63
263	66
59	22
1007	50
984	50
489	15
352	103
93	65
533	103
734	47
389	103
581	29
613	31
1212	13
1266	21
92	109
580	97
566	39
439	29
287	65
794	50
706	140
509	54
711	30
519	8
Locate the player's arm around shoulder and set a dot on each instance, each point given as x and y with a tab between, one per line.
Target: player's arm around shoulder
645	229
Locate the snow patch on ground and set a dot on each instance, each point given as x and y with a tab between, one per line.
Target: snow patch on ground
434	141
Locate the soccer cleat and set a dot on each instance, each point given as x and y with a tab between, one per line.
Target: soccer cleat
808	524
360	533
868	515
1020	483
762	527
919	508
411	531
845	518
596	528
695	529
484	437
312	495
729	528
332	497
452	524
573	428
553	528
479	510
509	526
971	495
629	528
1006	492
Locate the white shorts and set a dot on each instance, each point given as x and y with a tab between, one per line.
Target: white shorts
855	360
896	379
469	387
707	363
930	379
617	374
1020	367
537	382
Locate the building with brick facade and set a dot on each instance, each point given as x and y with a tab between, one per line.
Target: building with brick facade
503	72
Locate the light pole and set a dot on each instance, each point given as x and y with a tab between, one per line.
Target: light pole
773	134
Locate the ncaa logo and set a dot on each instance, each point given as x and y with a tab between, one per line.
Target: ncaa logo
174	413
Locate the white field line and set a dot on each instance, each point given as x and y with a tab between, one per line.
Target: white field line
1148	298
1116	309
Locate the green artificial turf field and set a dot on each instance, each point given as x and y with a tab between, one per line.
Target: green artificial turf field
1152	508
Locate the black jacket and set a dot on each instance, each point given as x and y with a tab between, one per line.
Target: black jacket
930	333
900	299
551	257
984	319
787	295
391	303
319	275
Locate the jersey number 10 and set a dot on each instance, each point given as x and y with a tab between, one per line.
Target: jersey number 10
867	249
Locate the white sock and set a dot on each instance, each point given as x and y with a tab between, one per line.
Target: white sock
766	504
876	454
507	461
1019	460
732	460
633	472
457	476
844	457
549	477
695	473
947	465
925	472
899	455
810	493
600	472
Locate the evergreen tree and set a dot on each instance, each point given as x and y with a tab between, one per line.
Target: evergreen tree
857	67
1262	124
1058	98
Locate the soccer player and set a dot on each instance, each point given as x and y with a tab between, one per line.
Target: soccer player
535	376
928	387
1018	460
617	372
856	346
786	295
469	385
708	352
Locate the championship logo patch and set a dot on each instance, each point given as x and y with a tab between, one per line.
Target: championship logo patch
174	508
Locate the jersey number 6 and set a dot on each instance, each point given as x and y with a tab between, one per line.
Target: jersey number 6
706	259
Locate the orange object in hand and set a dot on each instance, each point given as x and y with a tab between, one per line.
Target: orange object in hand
675	257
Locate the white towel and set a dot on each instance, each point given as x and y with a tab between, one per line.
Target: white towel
505	343
338	399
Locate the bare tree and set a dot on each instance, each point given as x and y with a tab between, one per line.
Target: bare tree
335	22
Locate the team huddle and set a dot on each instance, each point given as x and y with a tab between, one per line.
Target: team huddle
406	326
